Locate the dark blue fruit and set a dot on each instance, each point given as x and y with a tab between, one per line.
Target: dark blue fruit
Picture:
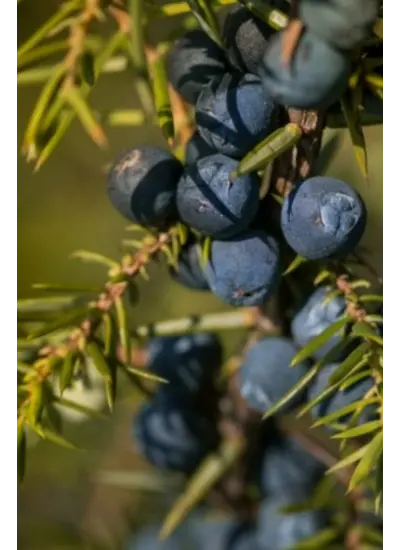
186	361
342	23
192	62
339	399
288	469
212	204
316	316
278	531
245	38
190	272
234	113
142	185
197	148
265	375
323	218
315	77
172	437
244	270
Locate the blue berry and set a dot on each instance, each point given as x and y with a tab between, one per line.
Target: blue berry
314	317
212	204
197	148
278	531
192	62
171	437
234	113
187	361
339	398
315	77
323	218
190	272
341	23
265	375
244	270
288	469
142	185
245	37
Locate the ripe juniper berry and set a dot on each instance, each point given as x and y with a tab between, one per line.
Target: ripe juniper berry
244	270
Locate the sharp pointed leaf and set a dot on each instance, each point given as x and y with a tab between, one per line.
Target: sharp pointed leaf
357	135
99	361
345	411
371	455
318	341
205	477
268	150
94	257
301	384
357	357
297	262
364	429
67	370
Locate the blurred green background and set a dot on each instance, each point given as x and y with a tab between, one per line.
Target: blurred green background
62	208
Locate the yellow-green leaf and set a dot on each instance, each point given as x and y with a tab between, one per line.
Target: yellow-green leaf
356	358
62	13
122	321
36	404
319	540
68	319
297	262
94	257
322	276
78	407
367	333
364	429
99	361
67	288
159	79
353	379
205	252
345	411
205	16
301	384
33	127
147	375
268	150
86	116
87	66
65	120
110	388
349	459
371	298
183	233
205	477
352	118
318	341
371	455
57	439
67	370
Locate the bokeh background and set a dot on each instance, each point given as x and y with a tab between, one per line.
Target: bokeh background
63	503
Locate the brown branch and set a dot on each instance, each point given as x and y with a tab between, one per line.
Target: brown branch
78	33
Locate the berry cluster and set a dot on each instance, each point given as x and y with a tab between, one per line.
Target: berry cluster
240	94
175	431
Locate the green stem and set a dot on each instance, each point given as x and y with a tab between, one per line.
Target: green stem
43	31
